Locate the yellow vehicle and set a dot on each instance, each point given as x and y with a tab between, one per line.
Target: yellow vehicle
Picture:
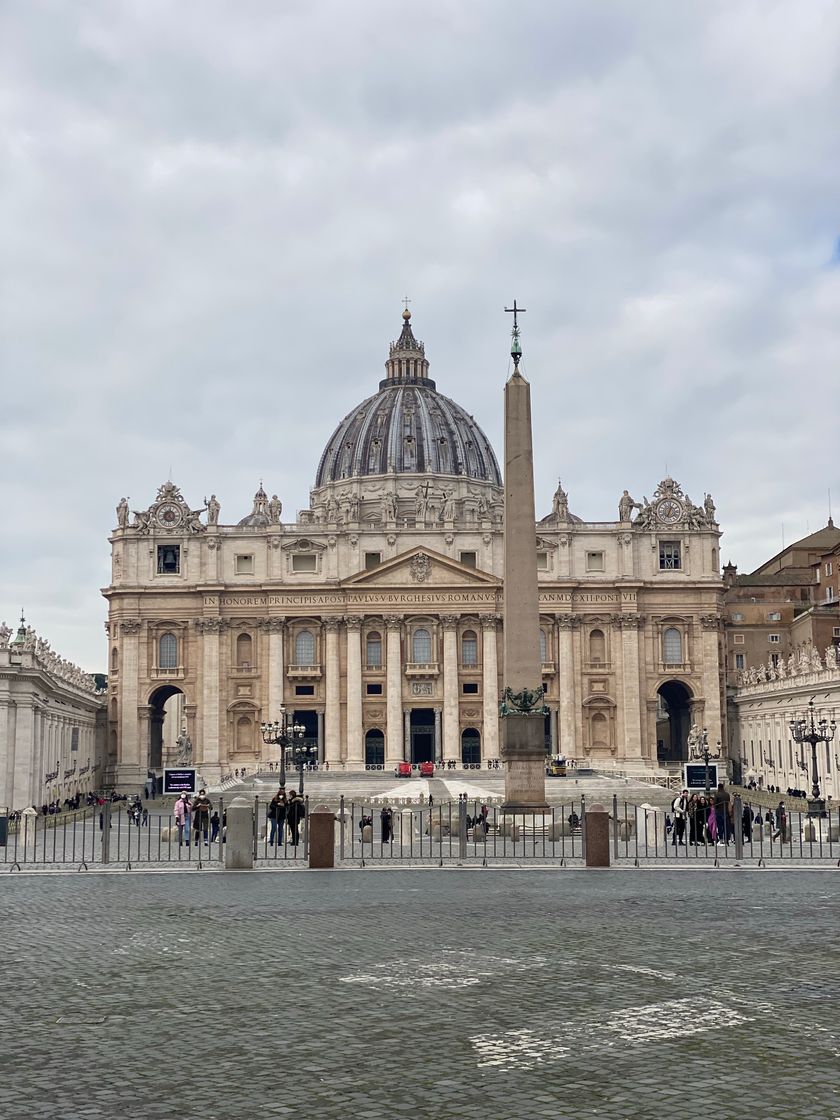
557	768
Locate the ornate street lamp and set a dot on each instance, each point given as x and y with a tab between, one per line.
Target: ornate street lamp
698	750
285	734
813	728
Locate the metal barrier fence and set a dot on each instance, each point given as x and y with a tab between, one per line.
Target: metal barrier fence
738	831
108	835
280	840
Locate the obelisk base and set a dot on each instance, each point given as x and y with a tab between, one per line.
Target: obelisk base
523	752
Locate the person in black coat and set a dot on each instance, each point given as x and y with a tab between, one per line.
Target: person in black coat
295	812
387	819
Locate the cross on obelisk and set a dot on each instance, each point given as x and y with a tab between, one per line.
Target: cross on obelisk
523	709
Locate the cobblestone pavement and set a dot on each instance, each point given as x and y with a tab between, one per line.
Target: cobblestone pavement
493	995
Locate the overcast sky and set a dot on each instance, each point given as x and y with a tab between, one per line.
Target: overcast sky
211	210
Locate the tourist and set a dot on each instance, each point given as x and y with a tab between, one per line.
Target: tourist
746	823
680	809
214	826
711	821
695	823
722	814
386	818
201	816
295	812
781	823
182	819
277	816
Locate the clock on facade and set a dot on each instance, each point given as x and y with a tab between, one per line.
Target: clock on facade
168	515
669	511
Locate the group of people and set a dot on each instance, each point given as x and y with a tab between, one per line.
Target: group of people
285	810
711	819
197	818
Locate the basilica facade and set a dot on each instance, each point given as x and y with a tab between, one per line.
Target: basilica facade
374	617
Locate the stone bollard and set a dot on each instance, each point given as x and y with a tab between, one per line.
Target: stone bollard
597	837
239	845
26	834
406	826
321	838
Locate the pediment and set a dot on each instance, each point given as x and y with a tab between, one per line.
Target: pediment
422	567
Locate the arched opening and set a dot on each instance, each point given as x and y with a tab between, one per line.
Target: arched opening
469	649
597	648
673	721
421	647
470	747
422	735
373	650
375	748
115	659
166	710
305	648
244	651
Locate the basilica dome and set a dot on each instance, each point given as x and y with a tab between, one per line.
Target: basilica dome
408	427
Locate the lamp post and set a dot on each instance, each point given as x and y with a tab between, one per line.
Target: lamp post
285	733
813	728
698	744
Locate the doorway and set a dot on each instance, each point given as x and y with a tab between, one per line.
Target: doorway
673	721
422	733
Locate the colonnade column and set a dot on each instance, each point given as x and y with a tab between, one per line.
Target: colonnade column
128	747
566	624
25	735
489	688
451	718
210	629
393	686
355	757
276	667
332	744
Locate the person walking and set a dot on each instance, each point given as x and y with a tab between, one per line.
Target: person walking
387	819
295	812
214	826
781	823
277	816
746	824
679	806
722	819
182	819
695	821
201	816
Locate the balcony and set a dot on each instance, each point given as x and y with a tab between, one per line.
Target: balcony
304	672
421	669
548	668
176	674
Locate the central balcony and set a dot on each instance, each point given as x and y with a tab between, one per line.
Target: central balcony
421	669
304	672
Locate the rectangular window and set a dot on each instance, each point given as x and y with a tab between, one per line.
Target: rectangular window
740	661
372	560
374	690
738	639
670	556
829	594
773	639
774	616
244	565
304	562
470	559
304	690
542	561
836	631
470	688
829	569
168	559
594	561
736	616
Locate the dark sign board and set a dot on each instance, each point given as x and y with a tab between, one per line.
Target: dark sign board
179	780
694	775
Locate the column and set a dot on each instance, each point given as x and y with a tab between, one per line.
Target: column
631	624
438	740
566	624
451	719
710	649
332	686
7	752
25	740
393	688
128	745
407	734
320	715
276	666
208	752
355	759
489	688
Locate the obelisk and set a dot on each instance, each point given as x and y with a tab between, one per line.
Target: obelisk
523	706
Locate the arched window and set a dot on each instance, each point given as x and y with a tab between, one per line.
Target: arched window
244	734
597	647
600	730
374	650
115	659
305	648
543	647
421	646
672	646
244	651
469	648
168	652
